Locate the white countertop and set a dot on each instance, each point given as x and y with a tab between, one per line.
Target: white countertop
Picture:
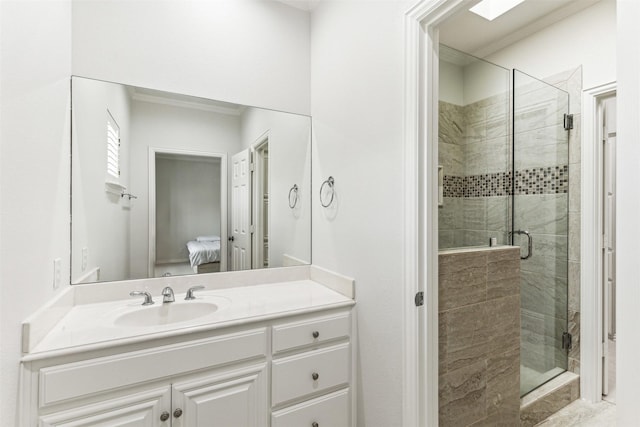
93	326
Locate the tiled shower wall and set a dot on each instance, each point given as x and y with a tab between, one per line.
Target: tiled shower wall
479	337
474	150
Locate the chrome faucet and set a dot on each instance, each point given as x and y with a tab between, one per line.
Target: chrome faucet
148	300
167	295
191	290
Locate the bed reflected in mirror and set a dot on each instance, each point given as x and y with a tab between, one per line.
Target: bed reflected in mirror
166	184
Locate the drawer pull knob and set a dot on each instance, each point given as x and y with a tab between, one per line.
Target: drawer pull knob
316	334
177	413
164	416
315	424
315	376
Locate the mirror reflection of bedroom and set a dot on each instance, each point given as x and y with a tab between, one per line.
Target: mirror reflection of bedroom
183	185
188	209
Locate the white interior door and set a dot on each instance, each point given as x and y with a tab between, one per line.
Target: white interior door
240	239
609	244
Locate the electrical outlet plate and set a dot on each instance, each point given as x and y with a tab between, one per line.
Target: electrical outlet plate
85	257
57	273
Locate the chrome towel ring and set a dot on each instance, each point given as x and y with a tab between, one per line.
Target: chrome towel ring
330	183
293	192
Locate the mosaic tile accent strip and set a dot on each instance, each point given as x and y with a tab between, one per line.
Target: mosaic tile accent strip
549	180
453	186
491	184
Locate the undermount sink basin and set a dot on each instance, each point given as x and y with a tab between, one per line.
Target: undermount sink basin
166	314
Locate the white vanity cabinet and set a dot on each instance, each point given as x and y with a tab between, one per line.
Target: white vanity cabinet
229	398
286	371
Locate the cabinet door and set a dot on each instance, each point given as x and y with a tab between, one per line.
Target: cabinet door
235	398
135	410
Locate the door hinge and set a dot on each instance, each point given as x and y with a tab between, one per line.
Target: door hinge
419	299
567	339
252	229
568	121
252	166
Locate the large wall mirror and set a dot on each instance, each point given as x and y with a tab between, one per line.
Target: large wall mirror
165	184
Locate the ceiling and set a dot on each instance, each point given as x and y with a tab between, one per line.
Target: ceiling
307	5
185	101
473	34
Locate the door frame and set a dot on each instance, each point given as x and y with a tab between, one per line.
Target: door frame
257	251
591	265
420	338
420	236
152	201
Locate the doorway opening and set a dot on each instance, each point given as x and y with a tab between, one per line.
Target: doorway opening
425	24
187	212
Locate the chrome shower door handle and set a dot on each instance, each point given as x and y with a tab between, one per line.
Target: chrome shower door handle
529	243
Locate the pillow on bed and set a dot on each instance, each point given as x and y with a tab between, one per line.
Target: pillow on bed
211	238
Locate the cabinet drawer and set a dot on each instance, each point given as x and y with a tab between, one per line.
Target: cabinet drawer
331	410
299	334
293	377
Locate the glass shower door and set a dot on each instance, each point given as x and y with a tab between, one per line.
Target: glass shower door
540	179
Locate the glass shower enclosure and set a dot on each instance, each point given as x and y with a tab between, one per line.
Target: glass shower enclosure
504	178
540	209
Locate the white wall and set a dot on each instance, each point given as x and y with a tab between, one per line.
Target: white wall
357	109
483	80
464	85
289	164
451	83
166	126
34	170
100	218
187	204
248	52
587	38
628	206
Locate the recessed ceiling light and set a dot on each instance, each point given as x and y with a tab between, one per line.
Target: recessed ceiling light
491	9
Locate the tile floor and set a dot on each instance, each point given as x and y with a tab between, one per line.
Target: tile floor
583	414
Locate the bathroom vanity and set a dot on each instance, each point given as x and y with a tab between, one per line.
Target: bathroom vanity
276	350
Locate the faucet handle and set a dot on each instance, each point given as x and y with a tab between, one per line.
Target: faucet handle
191	291
148	300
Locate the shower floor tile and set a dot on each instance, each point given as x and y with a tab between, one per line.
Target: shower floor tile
531	379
